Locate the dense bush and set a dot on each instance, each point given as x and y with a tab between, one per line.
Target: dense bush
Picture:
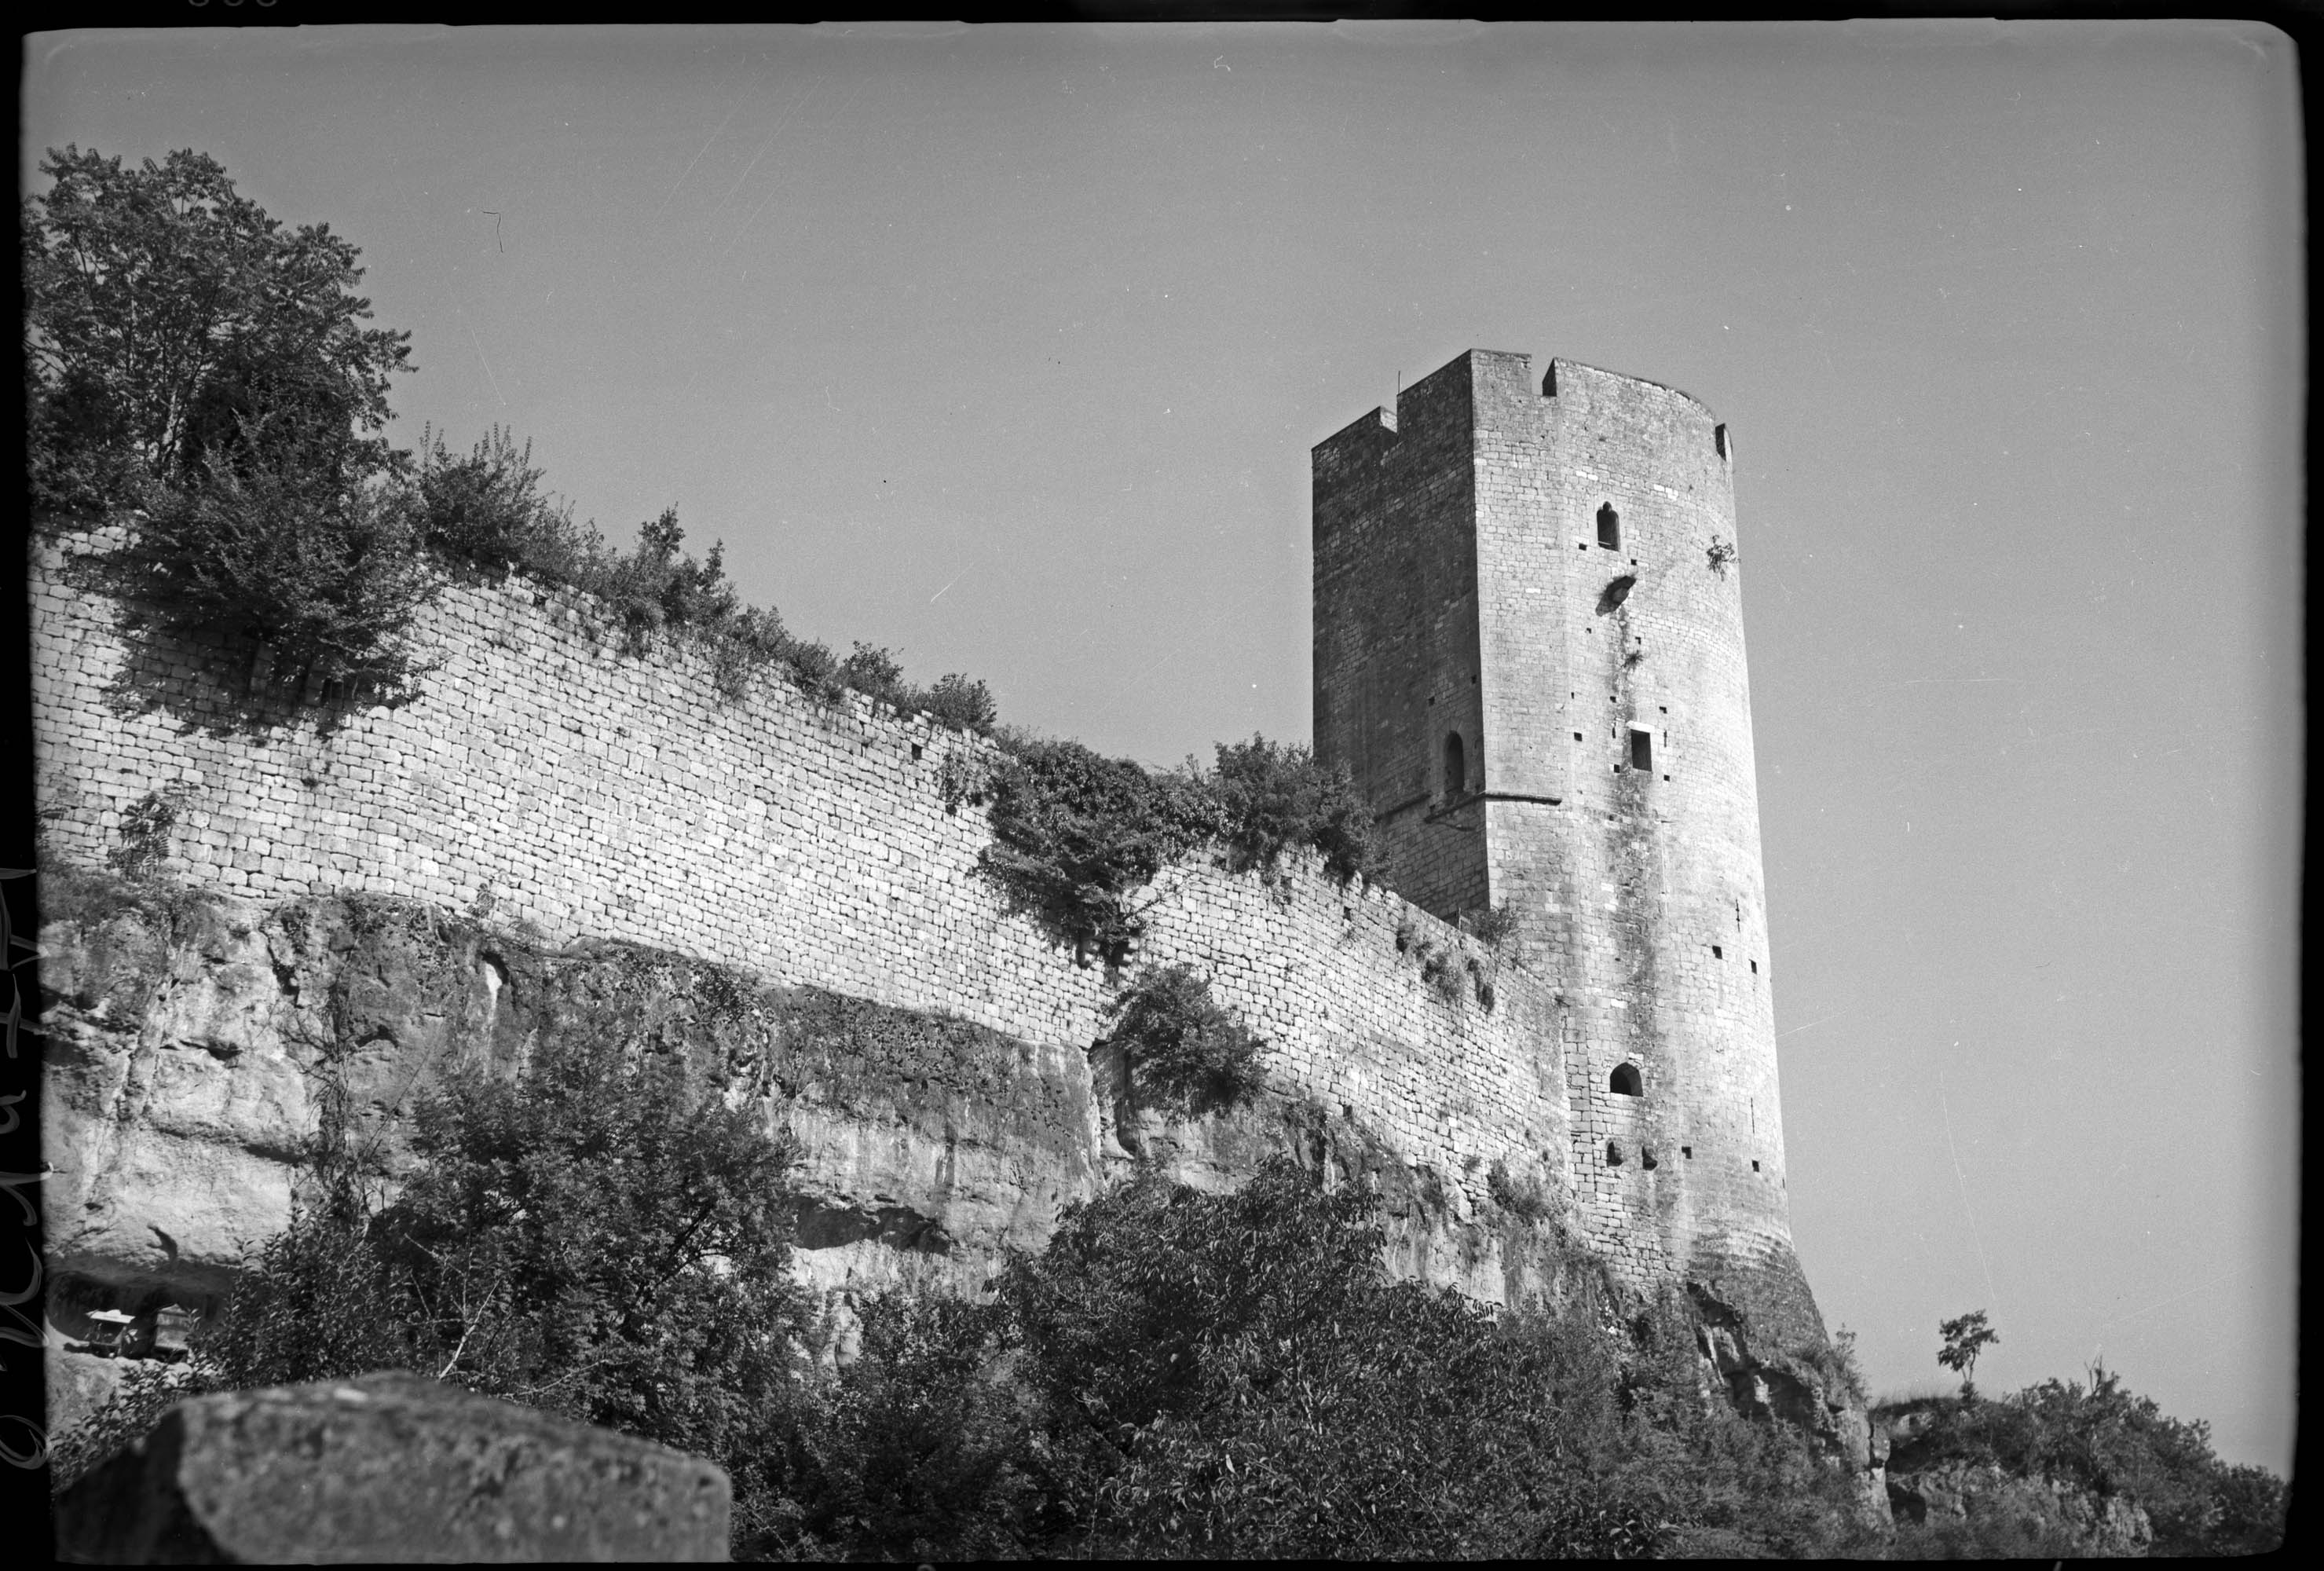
601	1238
1076	834
1185	1052
2106	1440
485	508
1236	1375
919	1450
321	569
1272	796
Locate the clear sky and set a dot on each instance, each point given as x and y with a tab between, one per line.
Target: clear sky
1005	348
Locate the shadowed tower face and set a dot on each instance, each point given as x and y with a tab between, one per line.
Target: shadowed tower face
1529	655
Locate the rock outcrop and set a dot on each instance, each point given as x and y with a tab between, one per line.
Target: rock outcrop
197	1042
389	1468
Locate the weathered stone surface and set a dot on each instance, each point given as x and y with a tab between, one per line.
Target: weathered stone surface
562	793
389	1468
193	1037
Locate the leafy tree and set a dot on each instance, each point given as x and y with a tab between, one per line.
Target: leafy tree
1185	1050
604	1238
168	318
1964	1338
188	355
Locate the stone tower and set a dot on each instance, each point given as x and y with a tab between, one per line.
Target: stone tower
1529	652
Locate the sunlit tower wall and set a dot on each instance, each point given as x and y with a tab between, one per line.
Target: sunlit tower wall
1529	653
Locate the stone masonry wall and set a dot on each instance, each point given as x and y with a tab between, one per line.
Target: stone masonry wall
549	777
1471	530
1397	670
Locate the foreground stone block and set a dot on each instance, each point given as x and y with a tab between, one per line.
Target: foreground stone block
389	1468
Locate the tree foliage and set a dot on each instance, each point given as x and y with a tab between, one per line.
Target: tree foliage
169	321
323	573
600	1238
1964	1339
1077	835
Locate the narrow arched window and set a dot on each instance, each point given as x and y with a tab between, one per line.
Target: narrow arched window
1609	528
1456	765
1624	1081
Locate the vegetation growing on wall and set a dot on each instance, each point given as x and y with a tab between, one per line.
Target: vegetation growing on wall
1077	835
1185	1052
169	321
201	375
1274	797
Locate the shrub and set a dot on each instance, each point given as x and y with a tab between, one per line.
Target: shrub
600	1238
146	826
603	1238
1492	924
1524	1198
1273	796
323	570
485	509
916	1451
1187	1051
1076	834
1236	1375
957	701
2105	1440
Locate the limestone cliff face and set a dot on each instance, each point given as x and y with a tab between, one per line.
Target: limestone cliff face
194	1040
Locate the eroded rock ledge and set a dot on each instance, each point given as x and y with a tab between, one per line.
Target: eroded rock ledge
194	1039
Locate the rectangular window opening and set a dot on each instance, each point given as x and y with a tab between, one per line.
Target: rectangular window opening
1717	953
1642	752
